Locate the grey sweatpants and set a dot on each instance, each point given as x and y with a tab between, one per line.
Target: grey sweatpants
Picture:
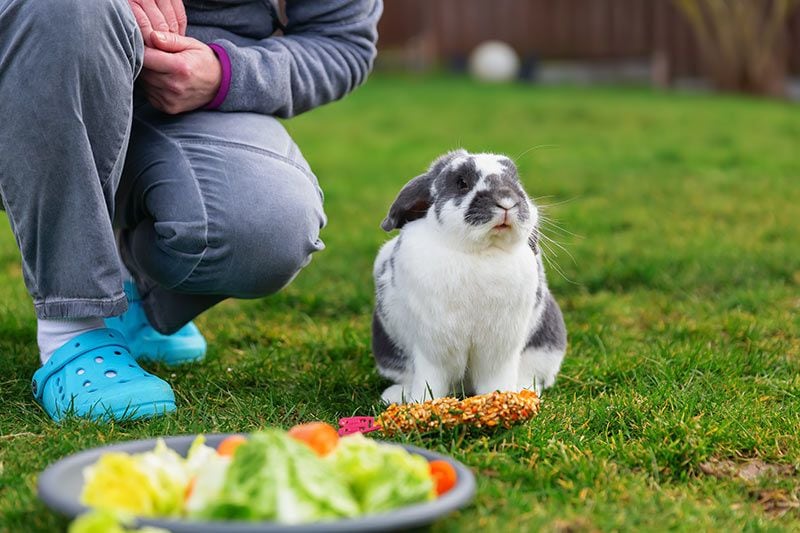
208	205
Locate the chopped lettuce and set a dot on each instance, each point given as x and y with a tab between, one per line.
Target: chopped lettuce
145	484
199	456
117	482
274	477
208	484
168	474
382	477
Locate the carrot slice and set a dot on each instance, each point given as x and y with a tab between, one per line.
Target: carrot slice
228	446
319	436
444	476
189	489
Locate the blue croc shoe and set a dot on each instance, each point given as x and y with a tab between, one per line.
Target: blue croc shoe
95	376
186	345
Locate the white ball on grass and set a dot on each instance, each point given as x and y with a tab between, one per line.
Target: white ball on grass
494	61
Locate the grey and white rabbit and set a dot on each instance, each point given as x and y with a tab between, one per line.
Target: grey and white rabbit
462	302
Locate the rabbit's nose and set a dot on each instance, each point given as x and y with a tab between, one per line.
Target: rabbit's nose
506	202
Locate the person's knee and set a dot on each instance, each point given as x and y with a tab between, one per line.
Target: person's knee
273	246
250	249
248	228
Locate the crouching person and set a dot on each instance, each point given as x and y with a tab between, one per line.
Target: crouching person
146	179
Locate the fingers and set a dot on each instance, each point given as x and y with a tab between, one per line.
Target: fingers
167	9
180	16
159	15
143	22
164	62
155	16
172	42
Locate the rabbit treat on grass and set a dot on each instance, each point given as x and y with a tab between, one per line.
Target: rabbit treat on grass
462	304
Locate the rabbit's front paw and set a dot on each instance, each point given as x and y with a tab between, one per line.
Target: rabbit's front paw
503	377
393	394
543	382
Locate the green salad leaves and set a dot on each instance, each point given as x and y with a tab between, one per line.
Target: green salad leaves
274	477
382	477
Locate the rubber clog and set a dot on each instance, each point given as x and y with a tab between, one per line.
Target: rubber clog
187	345
95	376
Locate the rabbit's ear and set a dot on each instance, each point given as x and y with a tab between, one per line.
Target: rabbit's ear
444	160
415	198
412	203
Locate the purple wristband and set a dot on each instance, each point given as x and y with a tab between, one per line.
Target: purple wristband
225	83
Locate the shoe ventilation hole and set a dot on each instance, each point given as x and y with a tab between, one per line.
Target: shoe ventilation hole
111	373
61	391
132	366
124	380
87	383
117	353
98	359
77	345
80	371
92	390
110	334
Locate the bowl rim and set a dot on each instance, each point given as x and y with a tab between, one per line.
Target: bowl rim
403	518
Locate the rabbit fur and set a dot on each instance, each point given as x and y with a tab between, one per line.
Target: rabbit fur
462	304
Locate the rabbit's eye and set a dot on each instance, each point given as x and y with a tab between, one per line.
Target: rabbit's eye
462	184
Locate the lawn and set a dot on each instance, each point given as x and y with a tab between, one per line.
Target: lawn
679	280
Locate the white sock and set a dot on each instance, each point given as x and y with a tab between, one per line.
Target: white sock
52	334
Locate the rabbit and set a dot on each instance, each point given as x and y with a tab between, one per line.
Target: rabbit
462	304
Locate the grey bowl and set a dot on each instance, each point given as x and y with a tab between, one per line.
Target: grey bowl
60	486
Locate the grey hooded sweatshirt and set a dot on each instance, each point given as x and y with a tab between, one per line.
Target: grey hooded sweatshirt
285	62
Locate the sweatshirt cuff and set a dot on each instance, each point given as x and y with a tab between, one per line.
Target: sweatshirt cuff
225	83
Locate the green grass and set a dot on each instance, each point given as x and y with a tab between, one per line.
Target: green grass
682	304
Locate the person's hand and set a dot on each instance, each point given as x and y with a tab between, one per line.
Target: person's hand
180	73
159	15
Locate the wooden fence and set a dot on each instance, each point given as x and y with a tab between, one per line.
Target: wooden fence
587	30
